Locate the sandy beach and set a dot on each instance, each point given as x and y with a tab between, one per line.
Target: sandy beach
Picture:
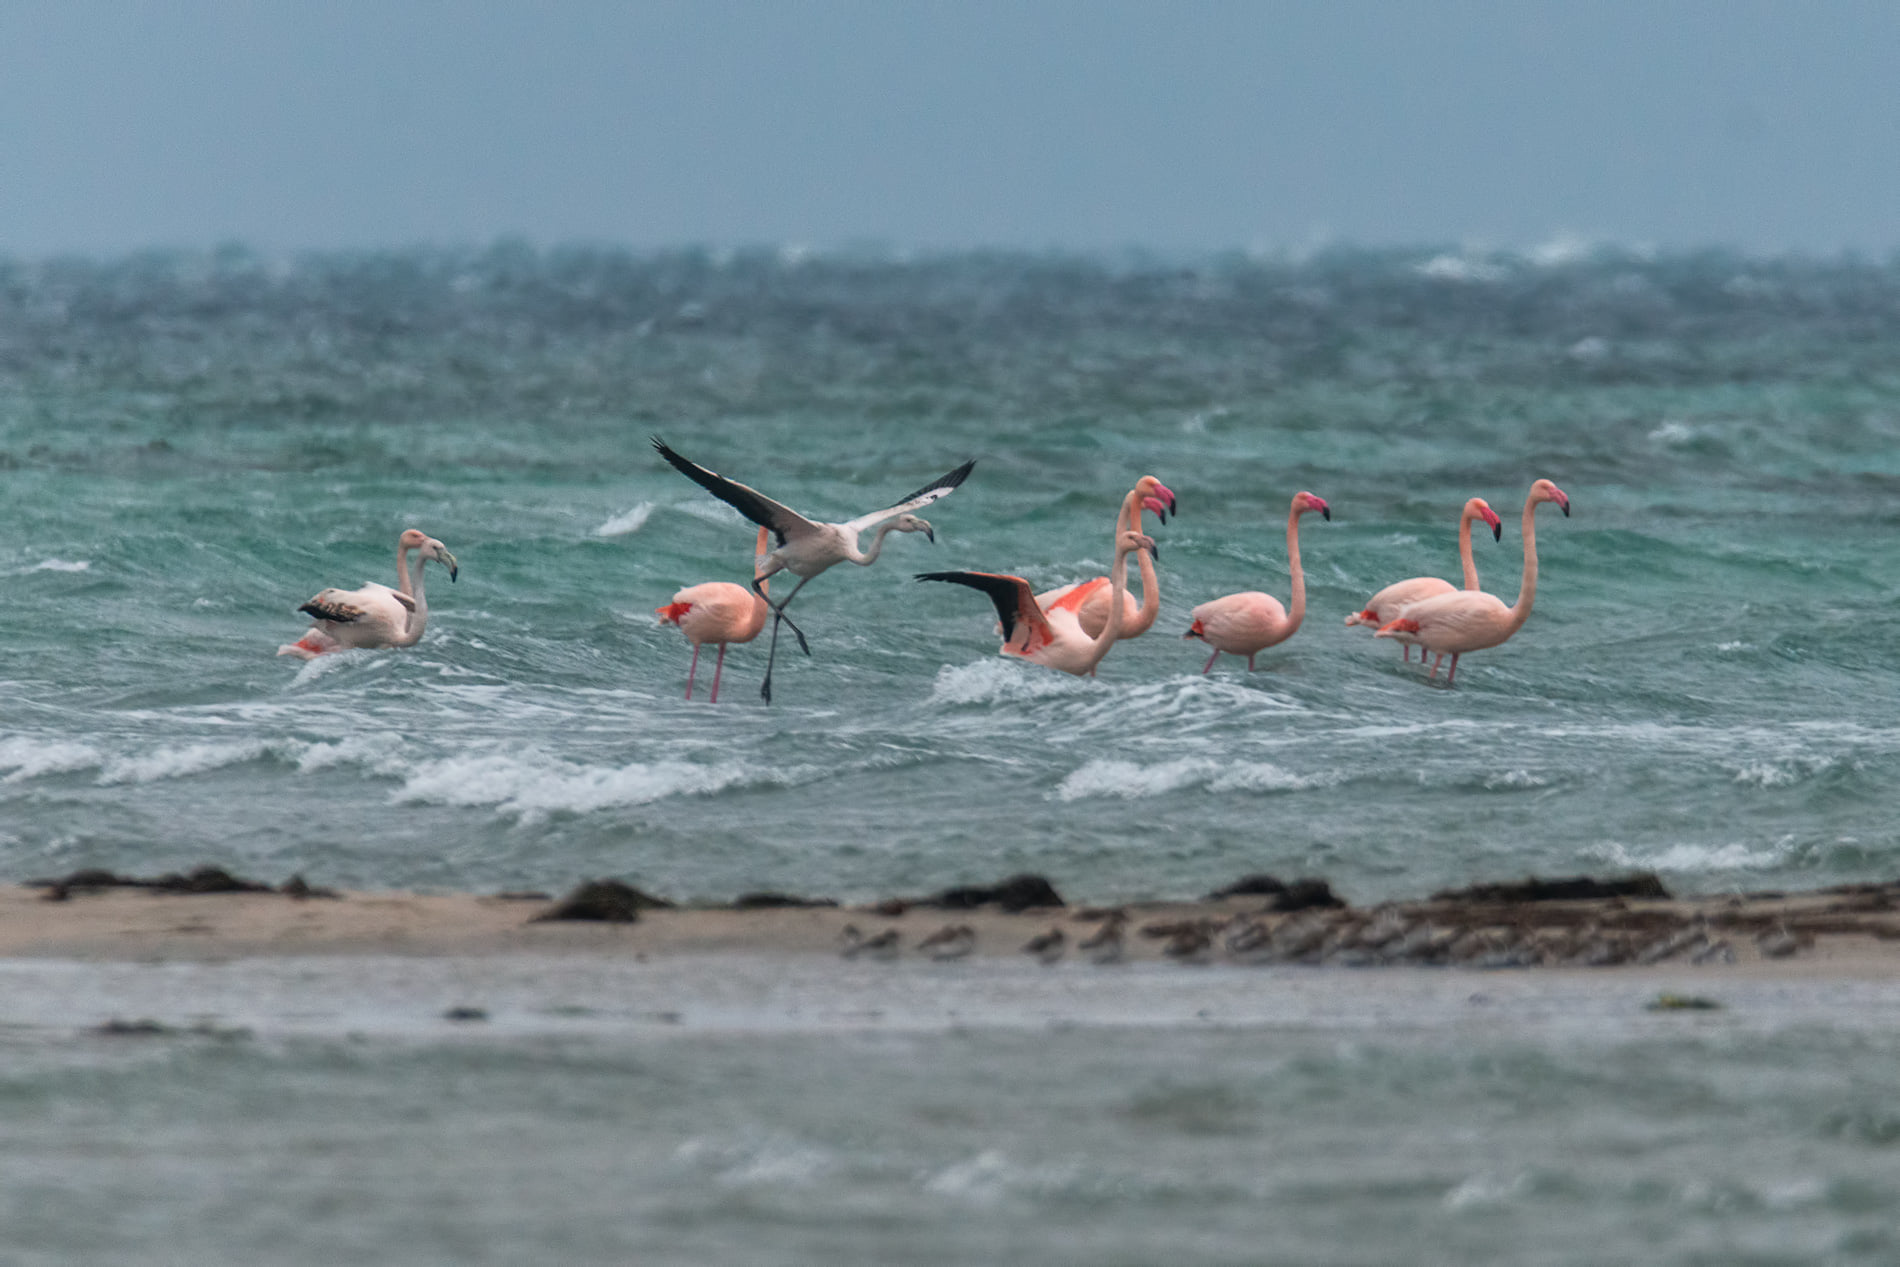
1850	931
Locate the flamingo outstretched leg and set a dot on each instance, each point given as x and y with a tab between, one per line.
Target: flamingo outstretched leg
692	672
1210	663
718	668
779	617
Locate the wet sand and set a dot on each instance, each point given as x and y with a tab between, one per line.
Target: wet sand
1853	931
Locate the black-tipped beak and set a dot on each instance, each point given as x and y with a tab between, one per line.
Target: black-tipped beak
1497	532
1566	509
452	574
1162	515
931	534
1154	552
1326	513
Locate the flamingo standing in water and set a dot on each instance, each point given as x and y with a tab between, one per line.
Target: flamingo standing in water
1384	607
1149	494
807	547
1054	637
374	616
720	612
1248	623
1471	620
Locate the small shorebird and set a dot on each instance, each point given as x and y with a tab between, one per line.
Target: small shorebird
1105	944
1250	622
882	946
952	941
1385	607
1047	947
374	616
1472	620
807	547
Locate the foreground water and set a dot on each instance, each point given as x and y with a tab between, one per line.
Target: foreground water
743	1110
192	445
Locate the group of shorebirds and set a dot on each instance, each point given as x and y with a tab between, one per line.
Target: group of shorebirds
1383	936
1070	628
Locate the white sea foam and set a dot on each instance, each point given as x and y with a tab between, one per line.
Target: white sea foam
1130	780
532	786
179	762
1673	434
713	512
24	758
998	681
1693	858
1564	248
1461	268
63	565
632	521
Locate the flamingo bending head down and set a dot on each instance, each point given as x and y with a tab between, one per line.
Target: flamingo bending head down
375	615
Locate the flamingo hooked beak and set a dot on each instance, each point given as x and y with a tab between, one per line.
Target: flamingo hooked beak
1157	506
1195	631
1497	525
1562	499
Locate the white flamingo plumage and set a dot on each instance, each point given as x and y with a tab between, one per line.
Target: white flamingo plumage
1054	638
719	612
1471	620
1384	607
807	547
375	615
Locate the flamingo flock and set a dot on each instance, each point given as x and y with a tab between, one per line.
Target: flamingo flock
1070	628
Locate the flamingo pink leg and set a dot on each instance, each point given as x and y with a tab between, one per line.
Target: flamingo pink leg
1210	663
1406	649
1250	664
692	672
1453	671
718	668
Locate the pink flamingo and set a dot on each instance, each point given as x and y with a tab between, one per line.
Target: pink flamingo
1248	623
720	612
1383	608
1054	637
374	616
1471	620
1149	494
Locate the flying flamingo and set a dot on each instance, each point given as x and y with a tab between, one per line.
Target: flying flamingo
374	616
807	547
720	612
1248	623
1054	638
1384	607
1471	620
1148	494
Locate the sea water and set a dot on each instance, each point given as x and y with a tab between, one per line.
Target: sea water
193	444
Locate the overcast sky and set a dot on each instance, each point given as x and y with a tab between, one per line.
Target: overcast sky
1033	123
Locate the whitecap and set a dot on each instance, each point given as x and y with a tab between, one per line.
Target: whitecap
713	512
1564	248
1592	347
532	786
1486	1191
998	681
1459	268
63	565
632	521
1131	780
1512	780
180	762
1673	434
25	757
1694	858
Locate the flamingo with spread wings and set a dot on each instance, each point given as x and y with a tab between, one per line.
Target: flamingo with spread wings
807	547
1054	637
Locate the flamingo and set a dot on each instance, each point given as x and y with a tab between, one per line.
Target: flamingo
1149	493
374	616
1471	620
720	612
1248	623
807	547
1054	638
1384	607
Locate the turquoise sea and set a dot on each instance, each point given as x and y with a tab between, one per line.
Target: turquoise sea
192	444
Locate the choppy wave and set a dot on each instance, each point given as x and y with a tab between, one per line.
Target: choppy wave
533	786
1130	780
631	521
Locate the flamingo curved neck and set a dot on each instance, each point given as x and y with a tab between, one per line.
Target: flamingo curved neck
1464	549
1296	611
1130	521
1117	588
868	557
412	632
1527	588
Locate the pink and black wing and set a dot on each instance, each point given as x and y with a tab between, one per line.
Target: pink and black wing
1015	602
